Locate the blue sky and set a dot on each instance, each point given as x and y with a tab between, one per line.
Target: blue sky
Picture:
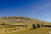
40	9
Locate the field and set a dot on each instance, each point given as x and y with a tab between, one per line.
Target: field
34	31
42	30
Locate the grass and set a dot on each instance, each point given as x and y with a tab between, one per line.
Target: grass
41	30
29	30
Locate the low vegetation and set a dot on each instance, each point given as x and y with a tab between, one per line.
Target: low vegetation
22	25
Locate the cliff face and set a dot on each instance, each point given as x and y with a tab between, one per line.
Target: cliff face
15	19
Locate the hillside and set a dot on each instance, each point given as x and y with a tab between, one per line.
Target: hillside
18	19
18	25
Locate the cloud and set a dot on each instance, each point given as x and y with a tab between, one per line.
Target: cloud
43	12
41	8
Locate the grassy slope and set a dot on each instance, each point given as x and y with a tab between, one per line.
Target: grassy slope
42	30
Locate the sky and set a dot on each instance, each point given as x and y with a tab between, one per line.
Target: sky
39	9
